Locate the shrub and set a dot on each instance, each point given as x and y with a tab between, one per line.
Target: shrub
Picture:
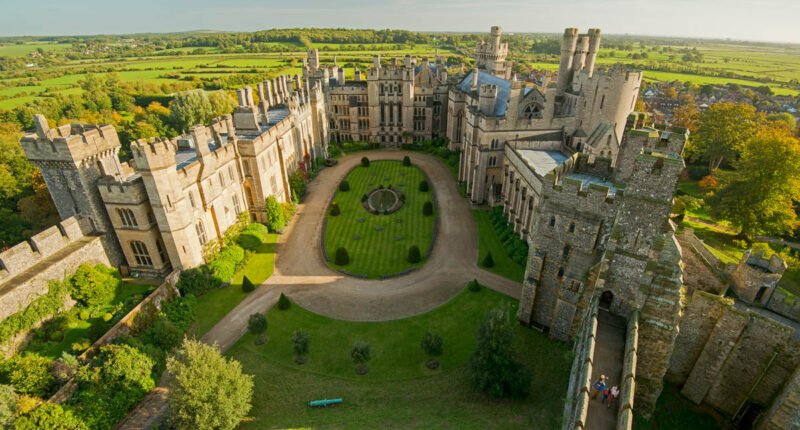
335	209
364	162
207	391
93	285
364	198
297	182
257	323
197	280
474	286
432	344
360	352
406	161
8	405
342	258
81	345
247	285
50	416
427	208
107	316
334	151
165	334
697	172
300	343
29	374
44	306
413	254
84	315
224	264
344	186
492	365
275	219
181	311
283	302
423	186
252	236
289	210
488	261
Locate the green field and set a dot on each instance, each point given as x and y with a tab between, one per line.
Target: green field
23	50
489	242
381	252
399	391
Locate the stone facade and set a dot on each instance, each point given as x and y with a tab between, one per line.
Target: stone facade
756	277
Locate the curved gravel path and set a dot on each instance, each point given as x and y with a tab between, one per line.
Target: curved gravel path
303	275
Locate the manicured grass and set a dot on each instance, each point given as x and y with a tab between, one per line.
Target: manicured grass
399	391
380	252
79	329
674	412
489	242
215	304
720	242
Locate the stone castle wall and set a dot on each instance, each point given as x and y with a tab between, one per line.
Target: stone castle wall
580	382
625	414
52	254
783	304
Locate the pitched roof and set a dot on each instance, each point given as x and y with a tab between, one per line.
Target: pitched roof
503	89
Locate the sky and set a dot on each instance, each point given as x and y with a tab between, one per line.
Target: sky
761	20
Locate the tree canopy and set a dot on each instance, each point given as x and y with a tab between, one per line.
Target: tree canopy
722	131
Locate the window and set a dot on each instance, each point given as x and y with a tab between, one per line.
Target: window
140	253
236	207
246	167
162	252
602	101
149	217
572	228
127	217
230	173
221	180
560	272
552	221
191	199
201	232
567	249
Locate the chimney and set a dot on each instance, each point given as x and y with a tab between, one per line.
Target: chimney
340	77
376	61
248	92
241	97
474	86
268	92
41	125
487	99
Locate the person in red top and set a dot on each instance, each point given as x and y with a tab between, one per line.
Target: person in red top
613	394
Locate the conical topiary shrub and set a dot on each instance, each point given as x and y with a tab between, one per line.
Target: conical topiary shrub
427	209
488	261
406	161
423	186
413	254
342	258
283	302
344	186
365	162
335	209
247	285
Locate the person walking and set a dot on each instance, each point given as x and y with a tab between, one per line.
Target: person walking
606	392
599	386
613	394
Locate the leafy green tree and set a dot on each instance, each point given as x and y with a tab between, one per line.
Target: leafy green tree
222	103
492	365
257	323
759	197
50	416
8	406
94	285
189	108
785	117
300	343
29	374
275	219
432	344
206	390
722	131
361	352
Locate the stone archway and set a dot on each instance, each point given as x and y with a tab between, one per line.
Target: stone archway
606	299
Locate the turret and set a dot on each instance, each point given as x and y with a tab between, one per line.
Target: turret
376	61
313	59
340	76
594	48
245	115
579	58
567	51
474	86
487	99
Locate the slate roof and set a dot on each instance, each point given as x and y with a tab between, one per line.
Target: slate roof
503	89
542	161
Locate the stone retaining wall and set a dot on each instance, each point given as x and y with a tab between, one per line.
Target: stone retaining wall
580	380
725	270
625	413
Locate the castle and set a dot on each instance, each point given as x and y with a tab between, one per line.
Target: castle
585	180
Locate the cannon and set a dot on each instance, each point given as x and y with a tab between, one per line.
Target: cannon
324	403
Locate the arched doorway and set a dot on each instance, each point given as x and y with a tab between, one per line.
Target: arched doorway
605	300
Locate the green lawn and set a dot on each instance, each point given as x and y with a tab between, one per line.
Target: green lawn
674	412
215	304
489	242
399	391
384	251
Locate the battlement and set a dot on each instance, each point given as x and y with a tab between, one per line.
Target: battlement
25	255
129	191
71	142
592	190
154	154
600	166
774	264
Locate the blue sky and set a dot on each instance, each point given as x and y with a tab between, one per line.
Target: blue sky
767	20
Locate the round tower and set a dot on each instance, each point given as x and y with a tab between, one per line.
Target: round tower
567	51
594	48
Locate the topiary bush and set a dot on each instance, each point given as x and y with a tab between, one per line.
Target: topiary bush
283	302
364	198
488	261
364	162
406	161
247	285
423	186
344	186
427	209
342	258
413	254
252	236
335	211
257	323
474	286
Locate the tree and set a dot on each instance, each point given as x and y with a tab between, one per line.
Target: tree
361	353
488	261
492	366
300	344
423	186
759	197
432	344
685	116
275	219
283	302
364	162
189	108
222	103
785	117
247	285
342	257
206	390
93	285
406	161
335	211
257	323
8	405
50	416
427	208
344	186
29	374
670	93
414	254
722	131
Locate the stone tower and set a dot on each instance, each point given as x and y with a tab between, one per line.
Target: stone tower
72	158
491	55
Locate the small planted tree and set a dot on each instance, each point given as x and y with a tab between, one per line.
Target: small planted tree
247	285
344	186
413	254
427	209
257	323
342	258
300	344
474	286
361	354
364	198
283	302
335	211
406	161
432	346
488	261
275	218
423	186
364	162
493	368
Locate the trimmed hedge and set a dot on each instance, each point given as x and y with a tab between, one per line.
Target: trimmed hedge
488	261
516	248
406	161
335	211
247	285
283	302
